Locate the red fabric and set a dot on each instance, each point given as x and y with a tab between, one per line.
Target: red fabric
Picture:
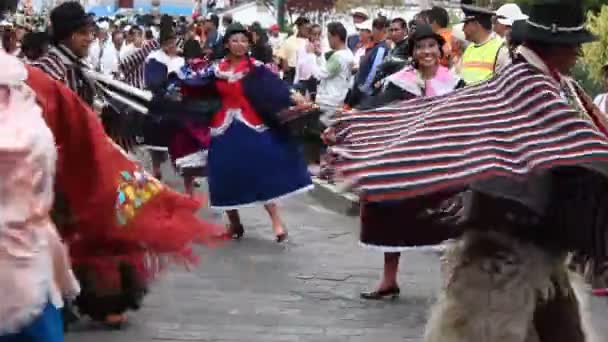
233	96
92	171
190	139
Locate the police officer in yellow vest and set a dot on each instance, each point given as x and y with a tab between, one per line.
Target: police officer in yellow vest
479	59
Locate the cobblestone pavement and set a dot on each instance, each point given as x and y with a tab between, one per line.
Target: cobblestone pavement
307	290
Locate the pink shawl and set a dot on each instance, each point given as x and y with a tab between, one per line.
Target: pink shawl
33	260
409	80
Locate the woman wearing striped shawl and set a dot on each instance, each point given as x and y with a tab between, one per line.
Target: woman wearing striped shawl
515	168
381	223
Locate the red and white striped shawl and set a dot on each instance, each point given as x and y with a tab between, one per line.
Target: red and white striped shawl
513	125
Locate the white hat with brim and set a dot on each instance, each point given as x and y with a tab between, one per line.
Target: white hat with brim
366	25
103	25
509	13
359	11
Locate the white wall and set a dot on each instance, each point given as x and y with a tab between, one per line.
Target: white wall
248	13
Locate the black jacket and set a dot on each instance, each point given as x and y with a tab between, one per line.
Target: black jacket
396	59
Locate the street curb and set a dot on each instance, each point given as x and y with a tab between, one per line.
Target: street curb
331	198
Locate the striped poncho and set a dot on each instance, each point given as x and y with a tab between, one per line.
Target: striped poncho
514	126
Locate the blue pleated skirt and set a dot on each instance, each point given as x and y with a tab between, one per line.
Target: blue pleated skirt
246	167
48	327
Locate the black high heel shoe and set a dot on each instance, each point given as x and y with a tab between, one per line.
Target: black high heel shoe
392	293
282	237
235	232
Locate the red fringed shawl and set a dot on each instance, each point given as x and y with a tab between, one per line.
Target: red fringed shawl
119	212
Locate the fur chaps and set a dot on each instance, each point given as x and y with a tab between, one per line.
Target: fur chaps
500	289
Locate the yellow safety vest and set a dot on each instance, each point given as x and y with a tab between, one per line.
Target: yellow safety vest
478	61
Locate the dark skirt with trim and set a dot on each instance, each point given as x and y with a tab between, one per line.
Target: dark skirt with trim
398	226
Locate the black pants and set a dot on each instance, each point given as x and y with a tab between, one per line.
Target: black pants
309	85
289	75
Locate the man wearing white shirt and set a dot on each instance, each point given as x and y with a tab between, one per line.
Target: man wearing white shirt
102	55
306	59
118	42
289	51
601	101
135	41
334	73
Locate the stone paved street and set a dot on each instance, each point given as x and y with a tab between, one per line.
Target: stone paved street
306	291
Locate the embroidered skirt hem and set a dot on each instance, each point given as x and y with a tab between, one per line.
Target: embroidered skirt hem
271	200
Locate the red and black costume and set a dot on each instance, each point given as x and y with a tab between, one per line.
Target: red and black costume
121	220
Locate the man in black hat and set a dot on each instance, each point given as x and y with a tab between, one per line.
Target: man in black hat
513	286
72	32
526	154
479	59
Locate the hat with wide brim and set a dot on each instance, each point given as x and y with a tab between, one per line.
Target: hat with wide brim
560	22
366	25
507	14
474	12
68	18
424	31
360	12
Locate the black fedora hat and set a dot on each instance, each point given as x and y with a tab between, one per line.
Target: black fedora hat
424	31
474	12
233	29
560	22
68	18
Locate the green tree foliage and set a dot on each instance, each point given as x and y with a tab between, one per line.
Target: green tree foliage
595	55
